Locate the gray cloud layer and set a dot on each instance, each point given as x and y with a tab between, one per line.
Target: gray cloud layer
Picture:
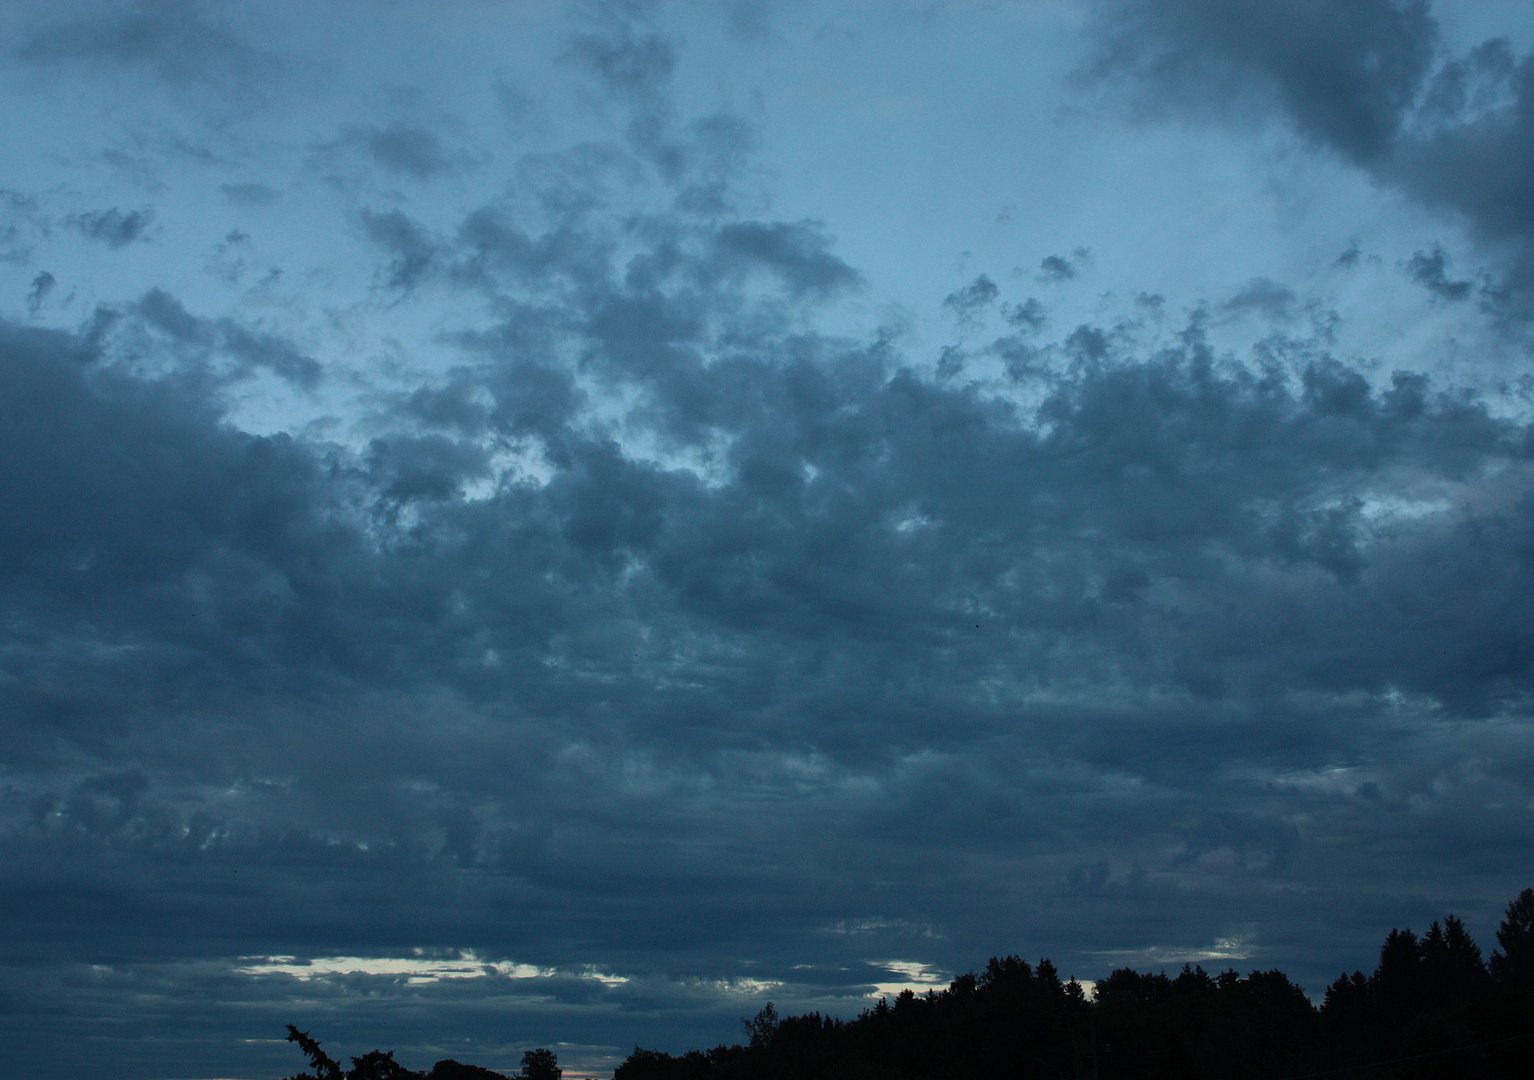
672	651
595	713
1372	81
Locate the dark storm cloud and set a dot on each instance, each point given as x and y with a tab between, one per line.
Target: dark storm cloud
796	253
973	298
1029	315
651	686
411	151
1370	80
412	249
657	634
132	488
1265	297
516	393
1345	72
42	285
631	65
1430	270
113	227
209	343
1055	268
179	42
1469	162
1472	84
423	467
630	61
1141	456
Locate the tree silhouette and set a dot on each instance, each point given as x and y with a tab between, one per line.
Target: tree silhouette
1453	972
380	1065
1512	964
1430	1008
540	1064
1398	980
762	1027
325	1067
448	1069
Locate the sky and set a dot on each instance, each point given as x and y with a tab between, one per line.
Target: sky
543	524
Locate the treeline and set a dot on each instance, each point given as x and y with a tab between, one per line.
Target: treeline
540	1064
1432	1007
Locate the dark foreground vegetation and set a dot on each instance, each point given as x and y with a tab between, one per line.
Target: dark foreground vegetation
1431	1008
537	1064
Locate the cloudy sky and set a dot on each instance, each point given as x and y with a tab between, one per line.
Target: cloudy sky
546	524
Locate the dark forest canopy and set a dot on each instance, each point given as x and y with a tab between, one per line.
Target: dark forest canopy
1432	1007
